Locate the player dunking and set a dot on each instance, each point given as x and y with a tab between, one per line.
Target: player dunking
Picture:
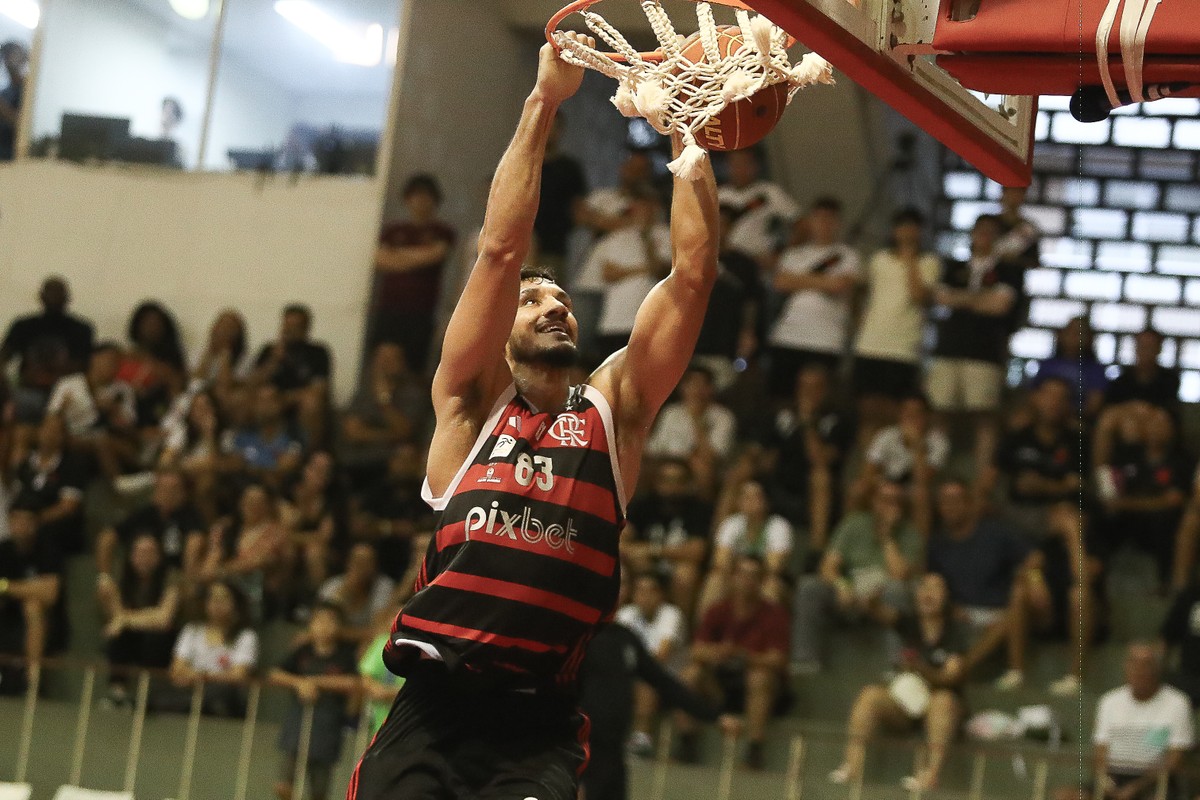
530	476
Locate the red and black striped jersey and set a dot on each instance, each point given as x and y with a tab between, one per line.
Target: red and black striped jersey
523	565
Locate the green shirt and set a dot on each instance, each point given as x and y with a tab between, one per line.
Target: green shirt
371	666
855	541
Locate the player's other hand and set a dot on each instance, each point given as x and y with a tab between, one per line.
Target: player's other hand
557	80
729	724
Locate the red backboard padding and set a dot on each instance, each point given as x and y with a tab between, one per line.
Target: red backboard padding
1009	73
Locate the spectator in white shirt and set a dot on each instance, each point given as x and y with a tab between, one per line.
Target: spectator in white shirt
761	209
753	531
604	209
662	629
627	262
1141	734
818	279
695	428
99	410
899	281
222	650
362	592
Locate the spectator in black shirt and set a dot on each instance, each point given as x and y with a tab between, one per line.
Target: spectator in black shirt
50	481
1181	629
615	659
1147	380
668	530
169	517
805	450
393	518
389	407
50	346
563	193
300	369
1041	462
32	620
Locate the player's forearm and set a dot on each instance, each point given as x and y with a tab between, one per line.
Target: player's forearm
694	222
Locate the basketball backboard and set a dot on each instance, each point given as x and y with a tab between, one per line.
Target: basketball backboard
885	47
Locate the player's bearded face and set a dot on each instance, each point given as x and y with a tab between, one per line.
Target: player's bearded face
544	332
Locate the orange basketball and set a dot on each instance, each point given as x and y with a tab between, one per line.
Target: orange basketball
745	122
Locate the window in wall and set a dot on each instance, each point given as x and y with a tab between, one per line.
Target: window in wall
123	80
303	85
1120	208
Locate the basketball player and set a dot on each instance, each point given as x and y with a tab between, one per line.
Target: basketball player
530	476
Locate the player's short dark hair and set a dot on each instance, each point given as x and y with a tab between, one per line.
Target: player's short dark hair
909	215
827	203
659	579
424	183
531	272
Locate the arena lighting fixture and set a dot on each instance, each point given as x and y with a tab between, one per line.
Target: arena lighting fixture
351	43
23	12
190	9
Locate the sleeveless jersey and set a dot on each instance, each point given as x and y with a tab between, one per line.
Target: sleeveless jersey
523	565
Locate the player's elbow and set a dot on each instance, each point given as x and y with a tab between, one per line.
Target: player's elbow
503	251
695	272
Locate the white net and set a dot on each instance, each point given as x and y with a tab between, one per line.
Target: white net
677	94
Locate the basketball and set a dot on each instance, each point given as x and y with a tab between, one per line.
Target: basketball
747	121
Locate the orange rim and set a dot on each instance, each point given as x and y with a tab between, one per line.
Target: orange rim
653	55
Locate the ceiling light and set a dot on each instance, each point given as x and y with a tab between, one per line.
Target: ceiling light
190	9
350	42
23	12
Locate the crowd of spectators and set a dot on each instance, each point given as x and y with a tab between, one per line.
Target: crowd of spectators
822	466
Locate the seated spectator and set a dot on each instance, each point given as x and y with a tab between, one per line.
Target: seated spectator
667	531
409	263
300	369
1074	361
1142	731
912	452
805	453
1147	380
604	209
753	531
100	411
140	613
817	280
313	513
981	561
661	628
740	653
362	593
1040	461
50	481
153	366
695	428
977	299
1144	488
252	550
388	408
50	346
169	518
192	443
32	612
391	516
267	448
864	574
628	261
220	365
221	651
323	673
760	209
887	352
1060	594
933	655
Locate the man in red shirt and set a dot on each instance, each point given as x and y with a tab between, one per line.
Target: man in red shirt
740	652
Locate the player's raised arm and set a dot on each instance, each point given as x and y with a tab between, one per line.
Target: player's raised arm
473	366
668	322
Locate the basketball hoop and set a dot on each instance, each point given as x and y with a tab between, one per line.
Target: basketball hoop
676	93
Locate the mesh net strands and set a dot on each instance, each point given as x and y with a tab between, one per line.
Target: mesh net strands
678	95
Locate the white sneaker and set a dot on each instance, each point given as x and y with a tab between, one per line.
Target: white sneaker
1066	686
840	776
1010	681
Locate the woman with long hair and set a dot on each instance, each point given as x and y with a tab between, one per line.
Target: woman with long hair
153	364
251	549
221	650
313	513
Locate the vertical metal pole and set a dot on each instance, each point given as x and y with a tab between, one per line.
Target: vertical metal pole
301	773
918	768
856	786
383	156
81	725
662	760
728	755
795	783
26	742
214	66
1041	776
36	49
189	746
135	735
243	773
1160	793
977	770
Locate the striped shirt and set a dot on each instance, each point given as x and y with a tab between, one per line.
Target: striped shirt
523	565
